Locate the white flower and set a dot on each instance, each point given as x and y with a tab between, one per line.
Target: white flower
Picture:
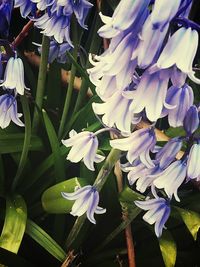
86	200
14	75
193	163
84	146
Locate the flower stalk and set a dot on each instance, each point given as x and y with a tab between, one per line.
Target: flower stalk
41	81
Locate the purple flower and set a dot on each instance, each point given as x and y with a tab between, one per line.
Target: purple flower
158	212
191	120
14	76
86	201
8	111
167	154
150	95
193	163
163	12
128	14
26	7
180	50
6	7
138	144
84	146
182	99
171	178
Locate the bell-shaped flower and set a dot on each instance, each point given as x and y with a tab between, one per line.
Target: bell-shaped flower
158	212
127	14
167	154
182	99
191	120
57	26
171	178
14	76
163	12
86	201
8	111
138	144
150	95
115	112
193	163
180	50
6	7
141	175
43	4
151	42
26	7
84	146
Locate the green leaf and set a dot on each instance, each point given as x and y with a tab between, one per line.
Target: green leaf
52	200
14	224
55	146
11	143
173	132
129	196
191	220
47	242
27	140
168	249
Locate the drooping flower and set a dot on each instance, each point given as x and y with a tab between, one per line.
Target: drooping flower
8	111
14	76
193	163
158	212
171	178
191	120
84	146
182	99
167	154
180	51
26	7
127	14
6	7
138	144
150	95
86	201
163	12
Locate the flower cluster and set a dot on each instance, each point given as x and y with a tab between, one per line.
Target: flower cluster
143	75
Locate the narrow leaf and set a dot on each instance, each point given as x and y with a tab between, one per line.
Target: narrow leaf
59	162
14	224
47	242
168	249
191	220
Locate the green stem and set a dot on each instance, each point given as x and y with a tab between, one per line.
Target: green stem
27	140
99	183
70	86
41	81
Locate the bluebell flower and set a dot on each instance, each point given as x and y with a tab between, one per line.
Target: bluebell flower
141	175
84	146
6	7
86	201
158	212
191	120
167	154
171	178
151	95
128	14
43	4
182	99
14	76
8	111
180	51
193	163
151	42
163	12
115	112
27	7
138	144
